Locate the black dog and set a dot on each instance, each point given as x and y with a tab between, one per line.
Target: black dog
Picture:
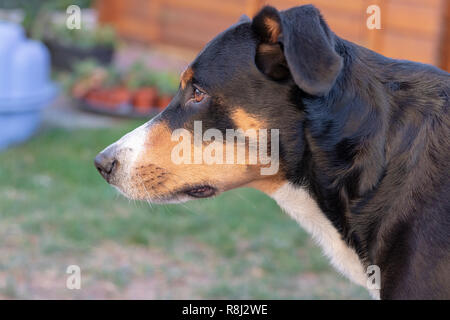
364	145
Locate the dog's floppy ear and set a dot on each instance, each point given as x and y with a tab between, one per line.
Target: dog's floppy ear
300	41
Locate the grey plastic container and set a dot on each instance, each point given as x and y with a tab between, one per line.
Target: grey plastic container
25	86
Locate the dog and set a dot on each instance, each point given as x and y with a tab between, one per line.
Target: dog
364	145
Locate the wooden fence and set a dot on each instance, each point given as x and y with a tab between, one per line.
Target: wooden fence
417	30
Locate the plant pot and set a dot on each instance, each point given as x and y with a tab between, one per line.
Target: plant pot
64	56
163	101
110	98
145	99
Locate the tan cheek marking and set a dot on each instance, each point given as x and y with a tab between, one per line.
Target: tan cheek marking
186	76
155	174
268	185
245	121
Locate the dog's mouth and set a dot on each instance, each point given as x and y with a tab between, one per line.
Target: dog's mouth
180	195
202	191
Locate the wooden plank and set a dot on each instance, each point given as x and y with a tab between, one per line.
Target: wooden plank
411	29
134	29
188	40
197	27
107	11
227	8
347	6
423	3
400	46
413	19
445	48
137	19
374	37
136	9
352	6
348	27
345	18
173	15
154	19
253	6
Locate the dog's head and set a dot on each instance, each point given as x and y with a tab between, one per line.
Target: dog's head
251	77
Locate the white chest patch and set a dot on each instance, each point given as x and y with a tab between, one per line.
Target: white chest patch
300	206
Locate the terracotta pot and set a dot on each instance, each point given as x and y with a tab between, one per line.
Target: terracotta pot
94	81
164	100
108	98
119	95
144	99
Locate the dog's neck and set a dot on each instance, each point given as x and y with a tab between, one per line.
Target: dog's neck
297	202
303	208
344	138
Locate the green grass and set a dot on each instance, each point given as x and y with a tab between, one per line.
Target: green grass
239	243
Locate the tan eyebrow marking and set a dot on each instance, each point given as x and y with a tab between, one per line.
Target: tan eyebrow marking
186	76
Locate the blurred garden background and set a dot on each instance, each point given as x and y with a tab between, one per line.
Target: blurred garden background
99	82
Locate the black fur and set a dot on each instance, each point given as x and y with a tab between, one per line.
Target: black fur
369	137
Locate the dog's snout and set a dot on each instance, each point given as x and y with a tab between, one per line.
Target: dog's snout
106	163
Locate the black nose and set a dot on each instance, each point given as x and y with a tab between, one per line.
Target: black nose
106	163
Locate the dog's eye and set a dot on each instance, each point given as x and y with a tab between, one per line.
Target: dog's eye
198	95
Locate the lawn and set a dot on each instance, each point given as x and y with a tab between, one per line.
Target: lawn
56	210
